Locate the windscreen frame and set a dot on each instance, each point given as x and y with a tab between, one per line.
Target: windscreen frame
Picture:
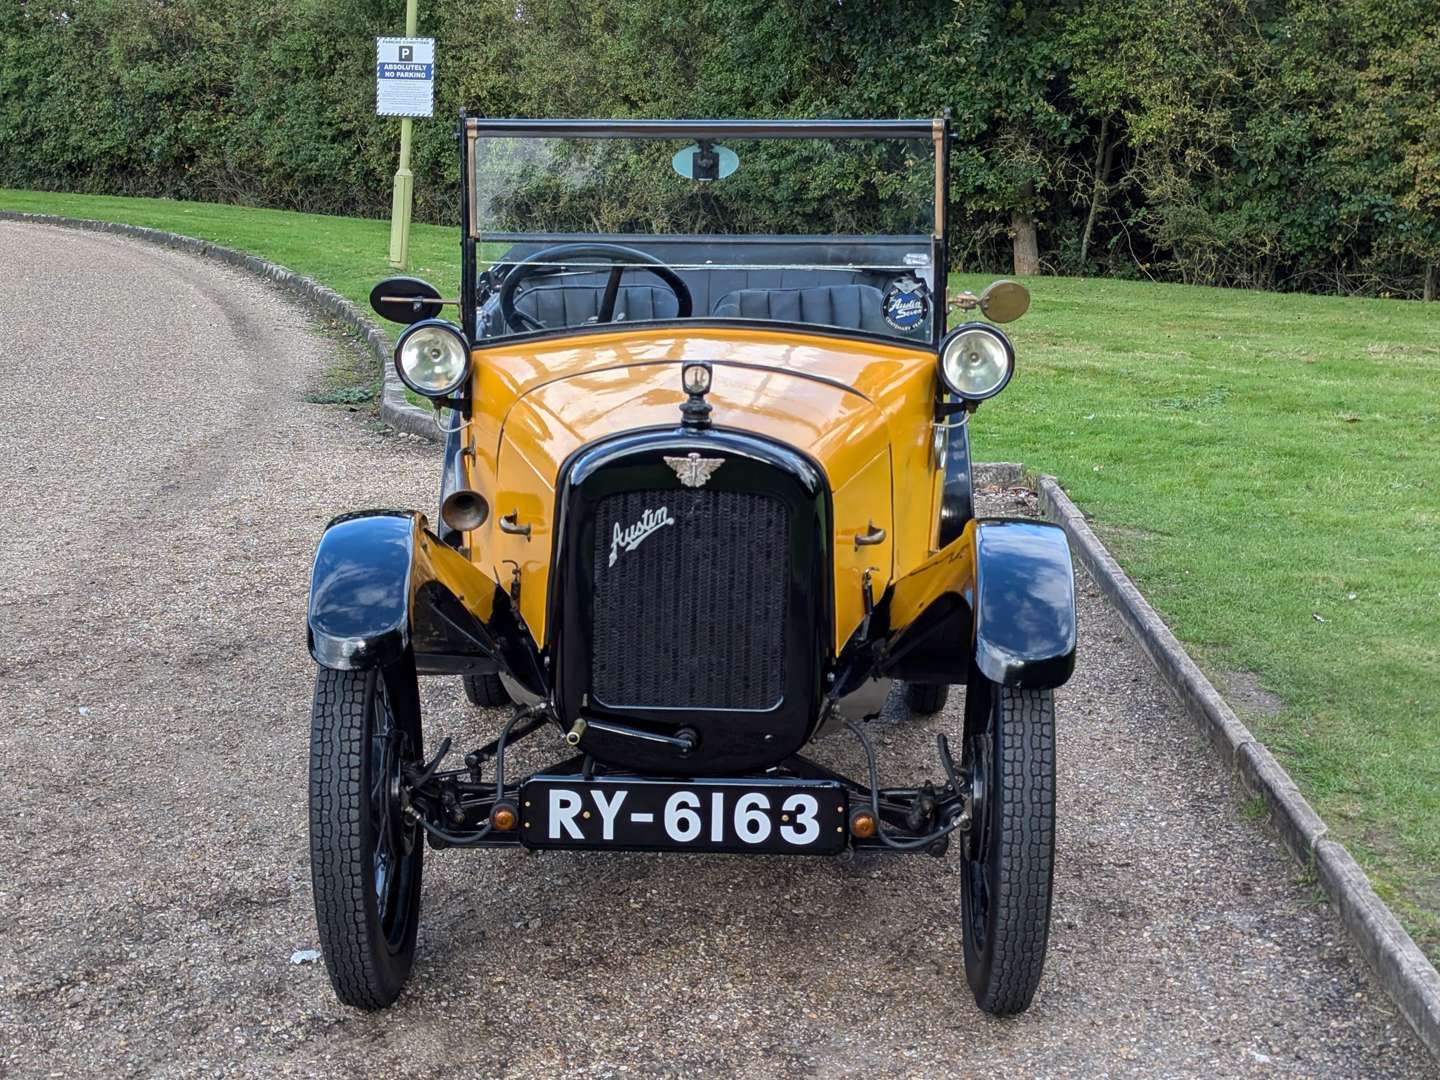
936	130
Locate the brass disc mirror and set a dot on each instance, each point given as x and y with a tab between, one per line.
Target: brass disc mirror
1005	301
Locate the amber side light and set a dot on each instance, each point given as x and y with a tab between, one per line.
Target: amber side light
503	819
862	824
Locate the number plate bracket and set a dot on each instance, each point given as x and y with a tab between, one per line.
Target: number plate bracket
739	815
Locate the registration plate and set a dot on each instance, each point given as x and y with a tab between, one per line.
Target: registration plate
805	817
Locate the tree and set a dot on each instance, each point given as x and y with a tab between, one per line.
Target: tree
1000	64
1273	143
1397	140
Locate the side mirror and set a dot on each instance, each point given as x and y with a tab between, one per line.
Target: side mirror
1004	301
406	300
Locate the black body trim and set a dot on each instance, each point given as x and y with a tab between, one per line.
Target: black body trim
957	497
452	478
709	323
936	647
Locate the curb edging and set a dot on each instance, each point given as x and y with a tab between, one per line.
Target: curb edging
1403	970
395	410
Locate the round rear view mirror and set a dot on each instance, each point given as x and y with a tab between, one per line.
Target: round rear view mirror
405	300
1005	301
704	161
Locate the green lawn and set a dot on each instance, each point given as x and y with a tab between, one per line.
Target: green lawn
1266	466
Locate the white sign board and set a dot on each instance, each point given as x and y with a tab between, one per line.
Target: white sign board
404	76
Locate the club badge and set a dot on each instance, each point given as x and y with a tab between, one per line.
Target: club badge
906	304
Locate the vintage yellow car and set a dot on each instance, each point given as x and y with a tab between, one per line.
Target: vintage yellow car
706	492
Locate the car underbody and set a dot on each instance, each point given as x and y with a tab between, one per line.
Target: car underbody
462	808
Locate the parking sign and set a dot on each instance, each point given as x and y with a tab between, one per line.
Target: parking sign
404	76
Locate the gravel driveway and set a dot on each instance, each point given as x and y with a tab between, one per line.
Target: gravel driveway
164	485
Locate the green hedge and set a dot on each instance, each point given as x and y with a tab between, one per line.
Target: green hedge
1288	144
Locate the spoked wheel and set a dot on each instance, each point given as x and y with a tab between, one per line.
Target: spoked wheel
1006	869
365	858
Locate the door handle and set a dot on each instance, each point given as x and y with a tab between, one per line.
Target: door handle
872	536
510	523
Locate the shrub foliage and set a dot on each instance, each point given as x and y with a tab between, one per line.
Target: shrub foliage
1287	144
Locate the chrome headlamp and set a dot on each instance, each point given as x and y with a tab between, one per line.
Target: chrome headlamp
976	361
432	358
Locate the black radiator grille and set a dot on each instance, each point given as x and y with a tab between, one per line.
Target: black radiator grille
692	613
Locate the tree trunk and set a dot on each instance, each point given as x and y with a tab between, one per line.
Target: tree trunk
1022	225
1432	281
1103	154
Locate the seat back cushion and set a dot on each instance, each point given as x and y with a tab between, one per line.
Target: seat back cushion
853	307
573	305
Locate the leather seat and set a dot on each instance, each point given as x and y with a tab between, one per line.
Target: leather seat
710	286
853	307
819	297
572	305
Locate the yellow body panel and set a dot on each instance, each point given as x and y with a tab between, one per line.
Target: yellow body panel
920	586
863	411
862	503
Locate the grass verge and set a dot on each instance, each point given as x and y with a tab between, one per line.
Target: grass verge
1267	468
351	380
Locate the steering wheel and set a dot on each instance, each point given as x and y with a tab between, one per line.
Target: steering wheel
621	259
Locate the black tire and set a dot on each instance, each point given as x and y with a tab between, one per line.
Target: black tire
925	699
485	691
365	861
1007	867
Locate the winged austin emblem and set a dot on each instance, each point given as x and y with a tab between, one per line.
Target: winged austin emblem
693	470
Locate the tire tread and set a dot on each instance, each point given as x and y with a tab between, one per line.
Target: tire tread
926	699
361	971
1020	925
485	691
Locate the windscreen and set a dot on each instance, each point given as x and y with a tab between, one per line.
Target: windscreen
832	232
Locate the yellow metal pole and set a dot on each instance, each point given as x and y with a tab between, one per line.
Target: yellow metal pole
404	179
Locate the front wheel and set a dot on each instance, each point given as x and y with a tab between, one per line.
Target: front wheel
365	857
1007	867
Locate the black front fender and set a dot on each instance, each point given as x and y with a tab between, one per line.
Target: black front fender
1024	604
1001	596
382	582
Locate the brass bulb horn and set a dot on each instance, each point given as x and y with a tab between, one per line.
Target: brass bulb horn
464	510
